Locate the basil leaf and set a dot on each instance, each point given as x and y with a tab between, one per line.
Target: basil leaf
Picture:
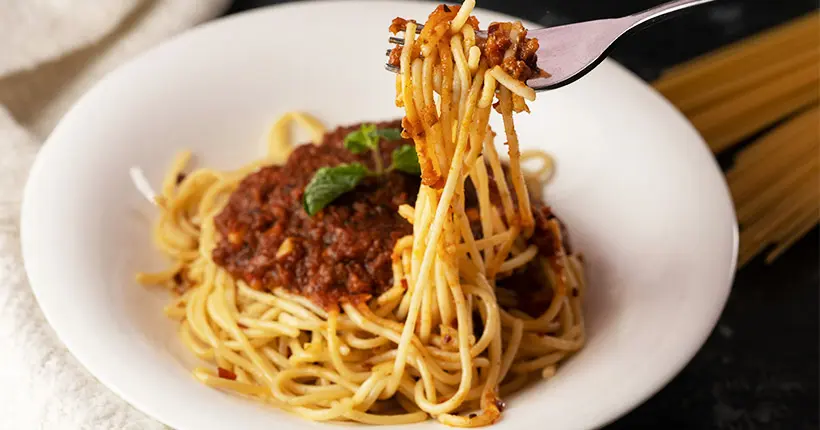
389	133
363	139
406	160
331	182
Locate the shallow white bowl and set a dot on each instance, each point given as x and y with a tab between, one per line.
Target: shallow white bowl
640	192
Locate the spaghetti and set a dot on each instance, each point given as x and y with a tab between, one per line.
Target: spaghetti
452	333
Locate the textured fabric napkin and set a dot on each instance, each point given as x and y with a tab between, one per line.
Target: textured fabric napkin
51	51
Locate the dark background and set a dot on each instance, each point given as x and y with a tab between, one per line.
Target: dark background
759	368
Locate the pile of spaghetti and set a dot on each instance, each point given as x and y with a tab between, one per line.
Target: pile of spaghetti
454	331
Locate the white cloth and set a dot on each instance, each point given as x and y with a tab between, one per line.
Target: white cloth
51	51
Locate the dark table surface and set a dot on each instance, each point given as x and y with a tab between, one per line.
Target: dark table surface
759	368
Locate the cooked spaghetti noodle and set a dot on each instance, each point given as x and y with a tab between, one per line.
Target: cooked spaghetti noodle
447	338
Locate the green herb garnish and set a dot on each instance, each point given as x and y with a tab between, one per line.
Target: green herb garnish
389	133
366	138
406	160
331	182
363	139
328	183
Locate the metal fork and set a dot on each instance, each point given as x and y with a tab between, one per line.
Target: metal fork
568	52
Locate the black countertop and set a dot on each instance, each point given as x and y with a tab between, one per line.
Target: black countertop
759	368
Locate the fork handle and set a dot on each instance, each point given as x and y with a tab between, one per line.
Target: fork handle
664	11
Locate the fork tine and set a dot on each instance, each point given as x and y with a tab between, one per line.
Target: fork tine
400	40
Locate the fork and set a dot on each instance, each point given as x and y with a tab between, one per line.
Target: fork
568	52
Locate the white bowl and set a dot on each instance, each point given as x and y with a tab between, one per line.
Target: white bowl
637	187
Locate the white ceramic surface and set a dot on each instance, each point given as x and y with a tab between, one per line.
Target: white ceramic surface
636	185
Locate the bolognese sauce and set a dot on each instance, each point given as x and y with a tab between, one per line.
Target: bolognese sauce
344	252
494	45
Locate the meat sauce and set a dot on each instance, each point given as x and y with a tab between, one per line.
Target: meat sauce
522	65
344	252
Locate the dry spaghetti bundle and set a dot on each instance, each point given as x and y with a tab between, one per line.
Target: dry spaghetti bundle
743	89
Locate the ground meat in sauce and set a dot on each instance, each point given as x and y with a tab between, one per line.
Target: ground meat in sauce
398	24
394	59
442	13
344	251
523	64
